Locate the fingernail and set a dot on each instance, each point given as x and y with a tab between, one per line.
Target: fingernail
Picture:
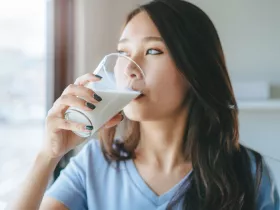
89	127
97	97
90	105
98	76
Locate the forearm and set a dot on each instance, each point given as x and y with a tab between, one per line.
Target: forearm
32	190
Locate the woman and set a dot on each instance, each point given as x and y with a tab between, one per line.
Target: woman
181	145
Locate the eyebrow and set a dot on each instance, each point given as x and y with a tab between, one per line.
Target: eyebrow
146	39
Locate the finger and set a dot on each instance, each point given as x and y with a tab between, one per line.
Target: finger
69	100
58	123
83	80
114	121
82	92
57	109
64	102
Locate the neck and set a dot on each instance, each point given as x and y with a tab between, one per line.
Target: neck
161	143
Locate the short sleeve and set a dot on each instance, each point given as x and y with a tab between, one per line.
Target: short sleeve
69	187
268	197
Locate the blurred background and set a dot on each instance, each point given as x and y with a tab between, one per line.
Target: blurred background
45	45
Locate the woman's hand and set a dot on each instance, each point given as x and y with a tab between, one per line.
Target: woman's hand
59	138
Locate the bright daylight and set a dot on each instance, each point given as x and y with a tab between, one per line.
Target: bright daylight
22	89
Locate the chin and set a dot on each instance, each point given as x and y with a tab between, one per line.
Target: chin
136	112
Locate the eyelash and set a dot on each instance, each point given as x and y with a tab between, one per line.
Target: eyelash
157	53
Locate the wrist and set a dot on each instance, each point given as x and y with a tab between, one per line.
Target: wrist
46	159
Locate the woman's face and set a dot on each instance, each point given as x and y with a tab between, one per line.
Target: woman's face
165	88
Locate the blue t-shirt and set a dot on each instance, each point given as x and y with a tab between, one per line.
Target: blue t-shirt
89	182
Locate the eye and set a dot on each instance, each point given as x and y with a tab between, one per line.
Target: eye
121	52
153	52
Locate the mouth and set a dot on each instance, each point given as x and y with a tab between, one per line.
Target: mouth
140	96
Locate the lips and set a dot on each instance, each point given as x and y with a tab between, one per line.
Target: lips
140	96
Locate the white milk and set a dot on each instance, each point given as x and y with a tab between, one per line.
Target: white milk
113	101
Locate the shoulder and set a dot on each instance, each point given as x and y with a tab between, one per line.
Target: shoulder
70	188
92	159
268	197
91	153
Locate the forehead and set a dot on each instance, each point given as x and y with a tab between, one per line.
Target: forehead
140	26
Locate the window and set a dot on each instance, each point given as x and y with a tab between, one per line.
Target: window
22	89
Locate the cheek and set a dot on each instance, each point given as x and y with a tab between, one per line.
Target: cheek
168	89
165	98
168	93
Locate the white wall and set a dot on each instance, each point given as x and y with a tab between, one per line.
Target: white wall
250	34
99	25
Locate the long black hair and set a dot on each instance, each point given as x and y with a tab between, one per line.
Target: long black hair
221	178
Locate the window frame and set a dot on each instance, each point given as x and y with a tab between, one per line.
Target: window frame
60	56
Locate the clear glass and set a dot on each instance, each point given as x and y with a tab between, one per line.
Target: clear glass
122	81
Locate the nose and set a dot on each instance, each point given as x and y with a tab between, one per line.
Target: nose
133	71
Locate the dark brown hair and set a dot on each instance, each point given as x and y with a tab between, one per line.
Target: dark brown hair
222	176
